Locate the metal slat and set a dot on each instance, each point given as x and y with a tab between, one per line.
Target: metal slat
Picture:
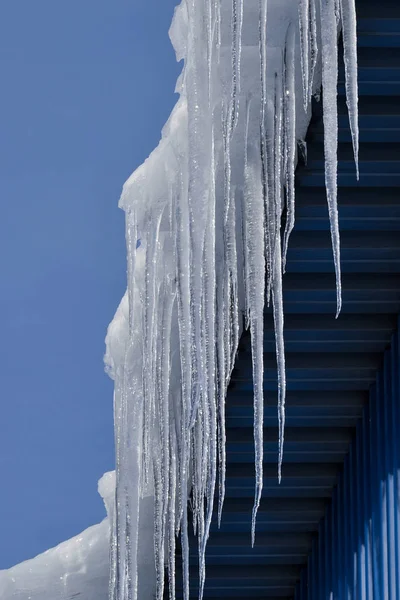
396	462
357	551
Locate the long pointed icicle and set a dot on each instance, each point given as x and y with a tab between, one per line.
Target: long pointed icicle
227	295
349	32
329	86
289	137
277	297
198	183
171	521
256	269
277	301
256	227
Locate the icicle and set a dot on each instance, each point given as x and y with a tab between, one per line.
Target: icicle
159	494
257	342
217	29
214	397
199	128
184	326
221	390
272	211
233	305
185	555
313	46
227	302
277	162
171	520
263	4
304	15
150	325
329	86
222	334
263	135
128	433
184	323
349	28
237	24
289	137
212	416
228	256
163	470
210	38
255	268
230	272
277	301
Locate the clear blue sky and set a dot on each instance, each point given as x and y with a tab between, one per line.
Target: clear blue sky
86	88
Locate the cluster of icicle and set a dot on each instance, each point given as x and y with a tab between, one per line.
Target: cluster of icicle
205	248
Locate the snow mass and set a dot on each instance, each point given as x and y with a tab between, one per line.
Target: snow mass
206	252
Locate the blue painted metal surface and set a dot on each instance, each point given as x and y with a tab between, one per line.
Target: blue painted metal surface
364	512
332	528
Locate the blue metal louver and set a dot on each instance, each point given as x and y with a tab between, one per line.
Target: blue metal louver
357	554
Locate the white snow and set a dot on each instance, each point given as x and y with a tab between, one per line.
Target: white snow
77	568
80	567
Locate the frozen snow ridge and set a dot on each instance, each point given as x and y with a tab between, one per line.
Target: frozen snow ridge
206	252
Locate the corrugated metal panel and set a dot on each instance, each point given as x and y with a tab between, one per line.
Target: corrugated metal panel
358	550
335	464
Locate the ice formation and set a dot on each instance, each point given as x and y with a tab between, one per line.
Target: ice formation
206	252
